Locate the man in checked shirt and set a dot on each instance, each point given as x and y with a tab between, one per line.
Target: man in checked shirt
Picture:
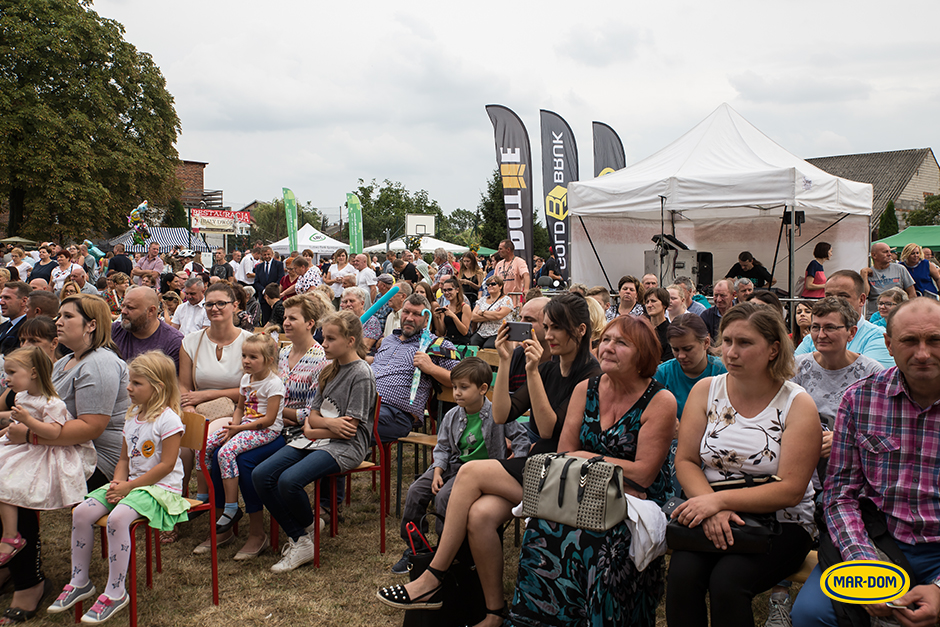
886	448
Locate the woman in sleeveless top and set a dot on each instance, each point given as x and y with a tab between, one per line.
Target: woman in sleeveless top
629	418
925	274
751	421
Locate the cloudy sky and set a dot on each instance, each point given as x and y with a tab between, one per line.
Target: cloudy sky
315	95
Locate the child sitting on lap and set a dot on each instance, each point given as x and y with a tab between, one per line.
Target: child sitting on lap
466	433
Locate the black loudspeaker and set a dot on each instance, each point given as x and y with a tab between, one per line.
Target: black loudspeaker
705	270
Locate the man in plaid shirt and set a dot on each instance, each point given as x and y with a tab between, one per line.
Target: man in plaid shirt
886	448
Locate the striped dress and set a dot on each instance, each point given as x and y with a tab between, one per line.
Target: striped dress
301	384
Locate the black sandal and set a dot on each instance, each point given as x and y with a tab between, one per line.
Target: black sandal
15	615
396	596
501	612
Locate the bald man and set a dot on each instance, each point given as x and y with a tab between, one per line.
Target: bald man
884	274
40	284
141	330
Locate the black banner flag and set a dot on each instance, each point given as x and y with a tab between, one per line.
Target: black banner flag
559	167
608	150
515	168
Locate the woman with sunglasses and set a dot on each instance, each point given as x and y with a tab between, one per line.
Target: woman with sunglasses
452	320
489	313
470	276
171	300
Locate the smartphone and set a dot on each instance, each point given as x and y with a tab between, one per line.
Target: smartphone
900	607
519	331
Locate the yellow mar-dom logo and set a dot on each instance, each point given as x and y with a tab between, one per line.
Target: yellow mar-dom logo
556	203
864	581
513	175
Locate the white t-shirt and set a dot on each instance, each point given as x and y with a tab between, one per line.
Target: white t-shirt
210	373
144	441
191	317
60	276
365	278
24	269
247	265
256	395
336	274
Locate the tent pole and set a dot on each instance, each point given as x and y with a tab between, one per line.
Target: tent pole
792	245
783	220
662	238
601	263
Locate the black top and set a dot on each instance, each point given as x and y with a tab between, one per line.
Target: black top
550	265
121	263
410	273
222	270
558	389
451	333
667	349
712	319
758	275
470	292
41	271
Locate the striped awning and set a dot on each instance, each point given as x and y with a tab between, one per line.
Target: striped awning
167	237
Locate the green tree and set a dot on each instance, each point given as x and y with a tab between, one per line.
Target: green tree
384	207
269	222
493	227
88	127
540	241
928	216
175	215
888	225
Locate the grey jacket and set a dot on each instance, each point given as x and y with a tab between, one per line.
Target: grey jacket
446	452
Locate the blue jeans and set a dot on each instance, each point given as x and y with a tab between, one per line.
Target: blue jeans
813	608
280	481
247	462
394	423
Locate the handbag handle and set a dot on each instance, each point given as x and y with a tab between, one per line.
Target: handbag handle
412	530
585	468
563	479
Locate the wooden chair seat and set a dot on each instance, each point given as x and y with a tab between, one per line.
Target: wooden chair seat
809	564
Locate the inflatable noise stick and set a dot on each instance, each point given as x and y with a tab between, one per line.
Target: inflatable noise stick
378	304
422	347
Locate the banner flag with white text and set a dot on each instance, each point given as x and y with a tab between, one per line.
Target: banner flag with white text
355	223
290	211
559	167
608	150
515	169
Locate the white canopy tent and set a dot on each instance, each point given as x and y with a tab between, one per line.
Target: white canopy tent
310	238
428	244
721	188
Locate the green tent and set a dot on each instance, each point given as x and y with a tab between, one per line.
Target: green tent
485	252
928	236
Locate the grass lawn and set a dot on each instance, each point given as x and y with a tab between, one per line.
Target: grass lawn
341	592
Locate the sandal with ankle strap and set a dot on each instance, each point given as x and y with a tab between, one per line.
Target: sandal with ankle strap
501	612
17	543
396	596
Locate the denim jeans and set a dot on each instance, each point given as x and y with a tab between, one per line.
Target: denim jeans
280	481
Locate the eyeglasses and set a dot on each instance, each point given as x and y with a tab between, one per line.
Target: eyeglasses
887	305
219	304
447	289
829	328
492	285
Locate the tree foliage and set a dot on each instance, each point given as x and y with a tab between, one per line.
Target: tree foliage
269	221
888	225
492	211
928	216
87	125
176	215
384	207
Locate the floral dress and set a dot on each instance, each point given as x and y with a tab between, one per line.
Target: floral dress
571	576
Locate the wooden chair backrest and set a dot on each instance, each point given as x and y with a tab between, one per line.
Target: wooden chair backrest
195	435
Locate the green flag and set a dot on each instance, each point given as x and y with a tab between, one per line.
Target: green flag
355	224
290	210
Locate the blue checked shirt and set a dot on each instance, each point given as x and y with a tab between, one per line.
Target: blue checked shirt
394	369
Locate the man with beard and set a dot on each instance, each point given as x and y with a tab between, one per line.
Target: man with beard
394	368
140	330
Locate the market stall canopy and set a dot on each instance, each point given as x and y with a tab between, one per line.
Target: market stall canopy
722	188
167	237
312	239
928	236
428	244
18	240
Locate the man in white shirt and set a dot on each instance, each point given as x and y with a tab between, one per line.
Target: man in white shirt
236	262
365	277
191	314
247	274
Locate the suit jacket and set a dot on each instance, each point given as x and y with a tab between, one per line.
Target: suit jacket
9	336
263	279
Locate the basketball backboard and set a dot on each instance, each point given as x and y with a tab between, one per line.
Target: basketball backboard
419	224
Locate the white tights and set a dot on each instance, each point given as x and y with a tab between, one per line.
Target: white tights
119	543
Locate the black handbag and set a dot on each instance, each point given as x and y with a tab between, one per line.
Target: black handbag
755	536
464	603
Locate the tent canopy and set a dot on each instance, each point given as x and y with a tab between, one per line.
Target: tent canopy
312	239
166	236
428	244
721	188
928	236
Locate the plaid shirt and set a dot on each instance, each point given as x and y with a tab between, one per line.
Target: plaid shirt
887	449
443	272
394	369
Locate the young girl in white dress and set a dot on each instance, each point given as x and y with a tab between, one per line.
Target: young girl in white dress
148	482
36	476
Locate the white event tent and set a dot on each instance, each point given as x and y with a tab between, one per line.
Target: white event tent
428	244
310	238
721	188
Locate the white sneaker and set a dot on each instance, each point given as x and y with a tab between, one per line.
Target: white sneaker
309	529
296	553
